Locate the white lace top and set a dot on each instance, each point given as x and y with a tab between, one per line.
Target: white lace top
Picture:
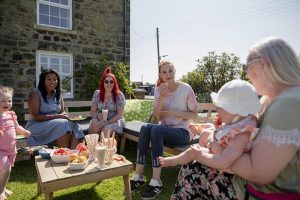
280	124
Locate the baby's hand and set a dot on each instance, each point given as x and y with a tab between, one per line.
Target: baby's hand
217	122
27	133
195	128
1	132
161	161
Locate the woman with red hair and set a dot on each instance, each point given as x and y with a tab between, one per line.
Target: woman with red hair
107	107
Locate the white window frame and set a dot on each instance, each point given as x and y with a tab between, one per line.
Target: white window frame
48	3
50	54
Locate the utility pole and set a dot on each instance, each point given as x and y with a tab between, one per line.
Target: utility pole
157	39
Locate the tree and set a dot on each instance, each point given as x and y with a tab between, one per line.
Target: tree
91	74
212	72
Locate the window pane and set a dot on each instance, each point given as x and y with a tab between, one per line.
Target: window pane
55	67
54	11
44	59
55	1
43	67
44	19
65	61
54	61
68	24
63	23
65	69
64	13
65	2
44	9
54	21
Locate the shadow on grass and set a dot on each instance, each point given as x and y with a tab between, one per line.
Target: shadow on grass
24	171
89	193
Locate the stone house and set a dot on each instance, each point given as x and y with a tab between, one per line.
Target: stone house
61	34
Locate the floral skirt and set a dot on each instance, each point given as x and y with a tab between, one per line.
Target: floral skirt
197	181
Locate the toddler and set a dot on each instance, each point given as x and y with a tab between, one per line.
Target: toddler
8	128
234	128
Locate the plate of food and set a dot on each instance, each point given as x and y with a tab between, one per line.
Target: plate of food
77	118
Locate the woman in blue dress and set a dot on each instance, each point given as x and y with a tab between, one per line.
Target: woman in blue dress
49	123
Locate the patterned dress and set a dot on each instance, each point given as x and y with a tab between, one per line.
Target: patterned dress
279	124
112	110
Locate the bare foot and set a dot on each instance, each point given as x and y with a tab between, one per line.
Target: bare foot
167	162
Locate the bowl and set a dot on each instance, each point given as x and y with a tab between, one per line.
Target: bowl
78	166
45	154
62	158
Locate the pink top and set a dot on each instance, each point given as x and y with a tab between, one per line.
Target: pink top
246	125
9	126
182	99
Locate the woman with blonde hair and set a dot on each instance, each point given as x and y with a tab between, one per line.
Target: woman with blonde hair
273	163
175	106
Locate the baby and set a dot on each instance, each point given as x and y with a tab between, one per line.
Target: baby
8	128
232	133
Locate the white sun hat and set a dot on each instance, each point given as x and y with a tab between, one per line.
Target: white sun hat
237	97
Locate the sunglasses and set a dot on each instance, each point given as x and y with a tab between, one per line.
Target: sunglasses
109	81
246	66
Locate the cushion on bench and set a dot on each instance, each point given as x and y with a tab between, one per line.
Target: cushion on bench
139	110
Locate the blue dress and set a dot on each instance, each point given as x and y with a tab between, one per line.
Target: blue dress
48	131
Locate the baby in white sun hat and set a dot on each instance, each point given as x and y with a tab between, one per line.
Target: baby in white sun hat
232	133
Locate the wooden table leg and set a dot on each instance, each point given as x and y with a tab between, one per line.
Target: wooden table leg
127	187
48	195
39	187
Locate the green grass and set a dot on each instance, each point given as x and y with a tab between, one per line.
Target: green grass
23	183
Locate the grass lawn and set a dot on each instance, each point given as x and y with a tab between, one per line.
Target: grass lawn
23	182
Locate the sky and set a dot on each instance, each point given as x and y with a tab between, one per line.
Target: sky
189	29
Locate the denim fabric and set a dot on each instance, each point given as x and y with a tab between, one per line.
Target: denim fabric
159	135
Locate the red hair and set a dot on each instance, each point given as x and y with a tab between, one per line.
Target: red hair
115	90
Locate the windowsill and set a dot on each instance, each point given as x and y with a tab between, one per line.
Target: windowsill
60	30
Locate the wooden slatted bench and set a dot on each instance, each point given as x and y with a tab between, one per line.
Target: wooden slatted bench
132	129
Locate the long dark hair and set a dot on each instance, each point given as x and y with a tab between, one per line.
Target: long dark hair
115	90
41	85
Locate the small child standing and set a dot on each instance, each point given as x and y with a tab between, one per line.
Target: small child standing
233	131
9	126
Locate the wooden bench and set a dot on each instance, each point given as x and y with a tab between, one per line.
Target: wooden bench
132	129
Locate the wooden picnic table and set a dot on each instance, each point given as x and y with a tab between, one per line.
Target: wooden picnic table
53	176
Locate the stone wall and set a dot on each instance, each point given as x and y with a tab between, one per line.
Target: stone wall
98	28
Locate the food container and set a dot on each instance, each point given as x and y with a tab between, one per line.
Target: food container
78	166
62	158
45	153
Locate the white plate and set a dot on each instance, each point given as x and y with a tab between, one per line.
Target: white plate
78	166
62	158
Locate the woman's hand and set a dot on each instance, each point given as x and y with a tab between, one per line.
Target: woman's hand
99	116
168	113
163	89
63	115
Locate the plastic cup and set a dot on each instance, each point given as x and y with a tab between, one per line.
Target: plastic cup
100	155
109	155
104	114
